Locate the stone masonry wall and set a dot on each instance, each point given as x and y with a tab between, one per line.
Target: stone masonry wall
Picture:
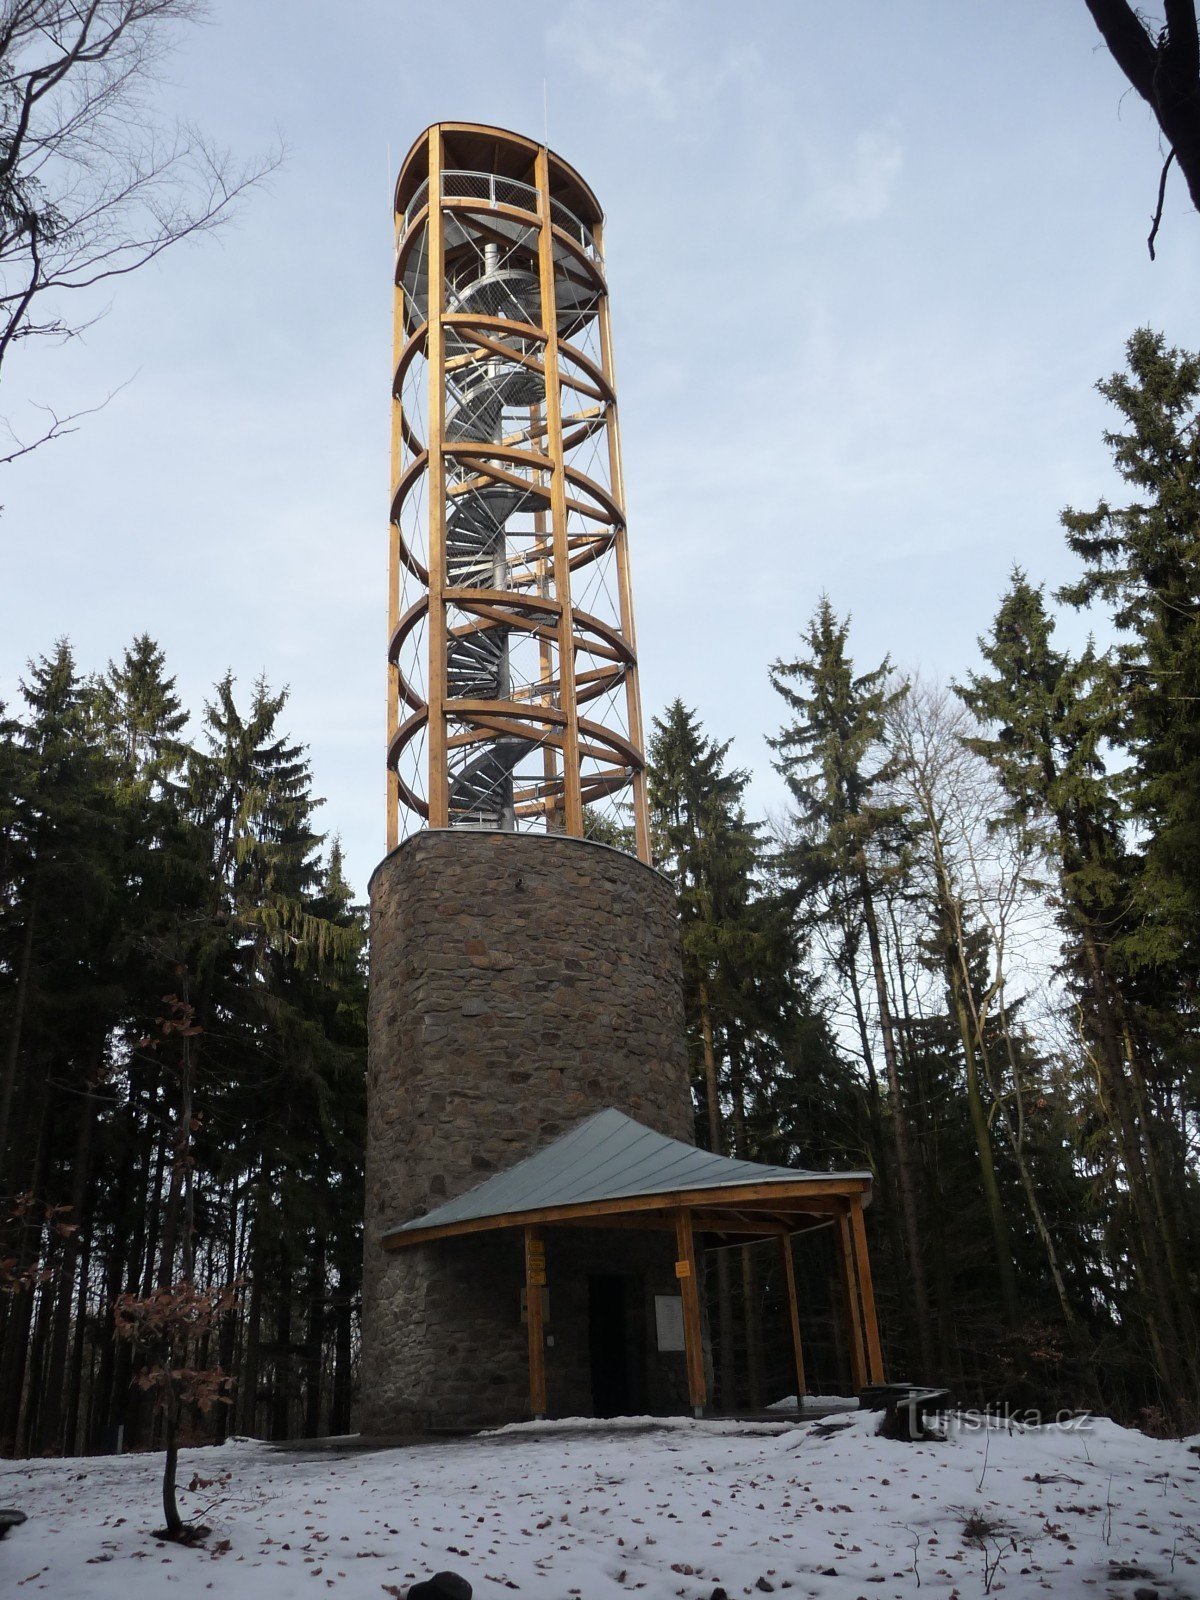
518	984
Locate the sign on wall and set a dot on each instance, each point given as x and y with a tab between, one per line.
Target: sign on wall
668	1319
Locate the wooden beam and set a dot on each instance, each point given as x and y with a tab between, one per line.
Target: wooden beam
858	1368
535	1282
693	1333
789	1278
867	1289
789	1229
704	1222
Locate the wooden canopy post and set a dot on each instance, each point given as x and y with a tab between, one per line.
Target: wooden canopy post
789	1278
535	1282
693	1336
858	1365
867	1290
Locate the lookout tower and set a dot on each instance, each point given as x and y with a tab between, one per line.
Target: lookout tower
523	974
527	1056
512	689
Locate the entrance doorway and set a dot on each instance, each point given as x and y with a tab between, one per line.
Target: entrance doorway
609	1346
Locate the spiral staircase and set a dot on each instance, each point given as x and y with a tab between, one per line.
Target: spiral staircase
477	662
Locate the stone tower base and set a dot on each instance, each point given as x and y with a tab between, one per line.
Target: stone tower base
519	983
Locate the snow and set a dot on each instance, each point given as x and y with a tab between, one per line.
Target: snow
825	1509
815	1402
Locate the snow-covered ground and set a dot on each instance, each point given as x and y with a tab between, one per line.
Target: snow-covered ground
824	1508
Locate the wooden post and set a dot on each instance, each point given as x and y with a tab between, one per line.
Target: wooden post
867	1288
393	611
439	777
616	481
693	1335
535	1282
572	794
858	1365
789	1278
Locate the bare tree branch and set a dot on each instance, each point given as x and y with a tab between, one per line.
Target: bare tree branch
1165	71
1125	35
1158	210
93	183
58	427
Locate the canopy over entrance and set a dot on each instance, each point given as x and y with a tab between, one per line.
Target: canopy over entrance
613	1172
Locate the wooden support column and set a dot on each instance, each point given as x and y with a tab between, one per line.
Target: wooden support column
393	611
439	777
858	1365
867	1290
789	1278
616	483
535	1282
693	1333
572	792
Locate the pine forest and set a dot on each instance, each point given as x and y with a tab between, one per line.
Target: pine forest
966	959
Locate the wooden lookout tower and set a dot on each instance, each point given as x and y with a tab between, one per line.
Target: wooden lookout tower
534	1198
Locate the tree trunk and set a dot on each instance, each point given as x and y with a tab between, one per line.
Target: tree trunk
281	1389
176	1219
1001	1238
1162	71
16	1333
880	1155
1156	1274
75	1385
726	1361
50	1437
905	1159
751	1308
12	1054
173	1522
315	1342
248	1408
339	1421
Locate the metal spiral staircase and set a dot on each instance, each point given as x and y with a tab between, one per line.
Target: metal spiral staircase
477	662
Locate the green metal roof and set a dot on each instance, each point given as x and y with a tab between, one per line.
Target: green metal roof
607	1157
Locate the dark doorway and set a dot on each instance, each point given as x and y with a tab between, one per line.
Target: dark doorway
608	1345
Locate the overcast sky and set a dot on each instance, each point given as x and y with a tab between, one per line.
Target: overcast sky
866	260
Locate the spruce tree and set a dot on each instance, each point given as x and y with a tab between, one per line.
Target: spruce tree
848	839
1050	717
703	843
1142	562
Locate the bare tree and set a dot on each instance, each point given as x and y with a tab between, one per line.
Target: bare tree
1161	59
979	868
94	182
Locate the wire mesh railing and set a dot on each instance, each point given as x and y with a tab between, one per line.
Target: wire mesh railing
498	190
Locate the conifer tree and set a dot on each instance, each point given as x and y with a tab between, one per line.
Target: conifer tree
847	839
138	877
1050	717
59	1007
703	843
1142	562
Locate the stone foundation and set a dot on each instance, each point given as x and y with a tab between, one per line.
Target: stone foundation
518	984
